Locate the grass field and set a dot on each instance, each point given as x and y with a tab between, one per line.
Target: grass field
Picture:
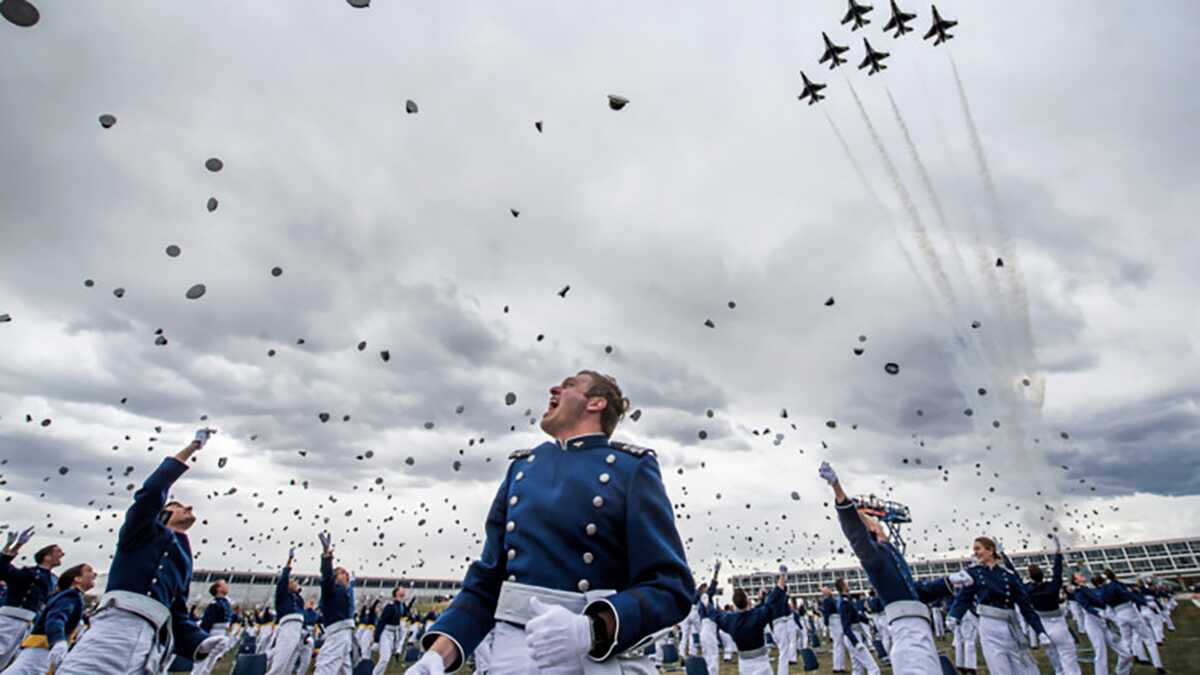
1180	652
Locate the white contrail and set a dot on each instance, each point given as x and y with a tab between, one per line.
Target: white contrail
1007	248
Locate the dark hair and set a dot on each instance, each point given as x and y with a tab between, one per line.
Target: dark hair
740	600
840	584
1112	576
606	387
1035	574
212	589
43	552
397	588
67	579
1098	580
987	543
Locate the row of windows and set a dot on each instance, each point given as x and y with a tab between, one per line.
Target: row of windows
252	579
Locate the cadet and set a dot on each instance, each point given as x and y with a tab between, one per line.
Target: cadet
142	618
1044	596
389	630
901	596
339	650
998	594
746	626
28	590
47	645
582	559
289	634
218	617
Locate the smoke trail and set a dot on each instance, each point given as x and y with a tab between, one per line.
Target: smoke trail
1007	248
941	281
870	188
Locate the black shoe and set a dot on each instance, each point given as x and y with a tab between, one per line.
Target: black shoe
1161	671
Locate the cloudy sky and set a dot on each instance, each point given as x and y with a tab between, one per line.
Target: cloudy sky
715	185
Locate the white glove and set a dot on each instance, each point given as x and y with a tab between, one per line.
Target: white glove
326	540
292	553
202	435
556	635
430	664
960	578
827	473
375	648
208	646
951	623
25	536
57	653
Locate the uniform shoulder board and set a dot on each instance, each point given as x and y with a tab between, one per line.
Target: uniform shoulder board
635	450
520	454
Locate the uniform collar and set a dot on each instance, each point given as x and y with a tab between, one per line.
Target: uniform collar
584	442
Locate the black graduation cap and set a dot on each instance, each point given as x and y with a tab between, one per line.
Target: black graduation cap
62	470
324	417
709	323
276	271
5	318
975	324
563	292
510	398
212	204
999	262
196	292
46	422
968	412
270	352
891	368
795	496
107	121
636	415
429	425
410	461
858	351
213	164
173	251
221	462
538	125
703	434
385	355
831	424
829	302
617	102
88	283
161	341
514	212
119	292
410	107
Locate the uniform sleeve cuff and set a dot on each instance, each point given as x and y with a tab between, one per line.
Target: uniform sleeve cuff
593	608
427	642
848	504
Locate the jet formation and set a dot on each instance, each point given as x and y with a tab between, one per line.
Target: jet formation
856	15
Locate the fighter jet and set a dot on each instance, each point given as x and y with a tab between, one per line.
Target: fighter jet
857	13
832	52
939	28
873	59
811	90
897	21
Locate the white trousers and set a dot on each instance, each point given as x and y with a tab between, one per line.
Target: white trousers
206	666
335	654
392	639
12	632
939	626
1061	652
1102	640
1134	630
306	652
837	643
709	647
759	665
1001	651
483	655
686	629
289	637
30	661
1155	620
727	643
265	632
118	643
860	658
881	629
913	651
966	654
510	656
366	637
783	640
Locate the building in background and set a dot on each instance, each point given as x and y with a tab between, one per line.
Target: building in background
258	588
1176	560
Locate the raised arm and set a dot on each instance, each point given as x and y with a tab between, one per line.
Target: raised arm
856	531
149	501
963	600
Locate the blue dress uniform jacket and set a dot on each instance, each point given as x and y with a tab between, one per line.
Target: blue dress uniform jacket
392	614
218	611
828	609
849	614
28	587
287	602
589	514
707	609
996	587
60	616
746	628
1116	593
885	566
875	605
154	561
1044	596
311	617
337	601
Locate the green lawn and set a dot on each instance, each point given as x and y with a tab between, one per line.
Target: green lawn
1181	652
